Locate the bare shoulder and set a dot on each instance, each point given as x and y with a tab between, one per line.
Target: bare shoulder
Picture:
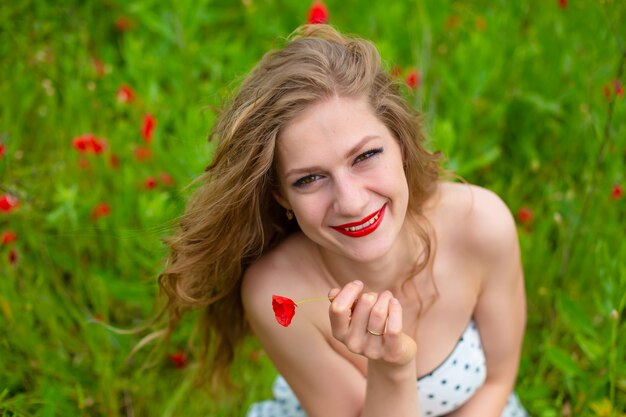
481	220
291	270
488	234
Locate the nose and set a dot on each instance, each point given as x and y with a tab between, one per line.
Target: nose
350	196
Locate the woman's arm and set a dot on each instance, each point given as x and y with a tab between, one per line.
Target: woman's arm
500	312
391	373
326	383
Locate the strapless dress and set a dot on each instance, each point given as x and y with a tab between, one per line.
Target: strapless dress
440	392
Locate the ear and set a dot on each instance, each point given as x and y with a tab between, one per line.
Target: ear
280	199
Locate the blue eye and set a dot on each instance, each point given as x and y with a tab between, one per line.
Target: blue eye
368	154
304	181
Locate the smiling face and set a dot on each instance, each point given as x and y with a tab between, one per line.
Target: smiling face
340	171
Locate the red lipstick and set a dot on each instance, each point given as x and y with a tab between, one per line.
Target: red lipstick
363	227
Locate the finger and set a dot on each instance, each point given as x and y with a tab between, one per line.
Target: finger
333	293
340	310
399	348
361	313
356	338
394	319
379	313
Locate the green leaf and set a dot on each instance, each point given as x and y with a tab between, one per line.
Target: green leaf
576	319
540	103
487	158
562	361
590	348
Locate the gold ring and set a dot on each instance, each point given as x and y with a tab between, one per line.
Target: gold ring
374	333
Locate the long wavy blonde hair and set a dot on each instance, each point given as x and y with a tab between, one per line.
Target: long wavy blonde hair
232	219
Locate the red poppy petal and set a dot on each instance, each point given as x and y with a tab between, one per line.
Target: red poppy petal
413	79
318	13
8	203
8	237
284	309
147	129
525	215
178	359
125	94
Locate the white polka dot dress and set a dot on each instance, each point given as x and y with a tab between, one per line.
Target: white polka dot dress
284	404
442	391
456	379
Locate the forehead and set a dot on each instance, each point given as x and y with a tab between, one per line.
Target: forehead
327	129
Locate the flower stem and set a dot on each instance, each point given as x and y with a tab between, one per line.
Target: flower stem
314	299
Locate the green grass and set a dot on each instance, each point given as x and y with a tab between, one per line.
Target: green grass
513	94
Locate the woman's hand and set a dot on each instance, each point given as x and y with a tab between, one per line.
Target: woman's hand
370	324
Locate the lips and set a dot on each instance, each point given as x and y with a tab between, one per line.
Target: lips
363	227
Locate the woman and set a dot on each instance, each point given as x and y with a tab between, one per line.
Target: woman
321	185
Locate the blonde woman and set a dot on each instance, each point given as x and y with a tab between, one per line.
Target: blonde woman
321	185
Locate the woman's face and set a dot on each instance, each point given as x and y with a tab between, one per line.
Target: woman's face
341	173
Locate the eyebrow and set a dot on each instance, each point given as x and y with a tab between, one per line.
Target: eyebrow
352	151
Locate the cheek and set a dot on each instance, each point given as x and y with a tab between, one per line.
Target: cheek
310	209
395	186
391	177
397	172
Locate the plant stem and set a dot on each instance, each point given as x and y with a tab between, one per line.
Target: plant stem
569	249
314	299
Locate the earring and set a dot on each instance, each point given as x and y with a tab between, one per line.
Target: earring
289	214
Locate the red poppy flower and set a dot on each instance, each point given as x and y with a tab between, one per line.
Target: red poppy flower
125	94
142	154
81	143
413	79
562	4
318	13
616	87
1	150
606	90
284	309
452	22
617	192
84	164
480	23
178	359
8	203
98	146
150	183
525	215
147	129
12	256
114	161
88	143
100	210
8	237
124	24
166	179
98	67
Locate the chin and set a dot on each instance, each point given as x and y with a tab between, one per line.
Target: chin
362	250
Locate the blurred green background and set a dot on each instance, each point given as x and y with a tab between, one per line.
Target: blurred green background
524	98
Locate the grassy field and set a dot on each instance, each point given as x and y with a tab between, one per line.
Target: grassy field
105	107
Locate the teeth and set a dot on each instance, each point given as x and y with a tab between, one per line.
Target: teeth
364	225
